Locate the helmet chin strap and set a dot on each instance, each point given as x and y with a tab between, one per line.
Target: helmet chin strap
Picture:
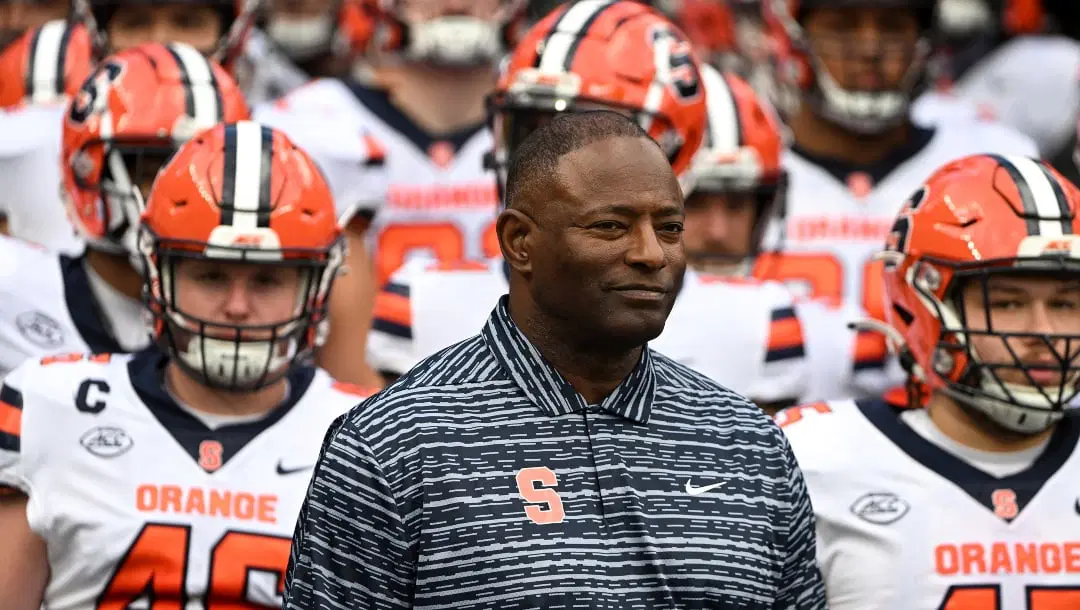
232	364
302	38
454	42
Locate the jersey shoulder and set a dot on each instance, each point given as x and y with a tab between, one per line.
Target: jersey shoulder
426	306
34	318
959	138
29	128
1040	103
759	315
327	398
42	396
317	117
825	436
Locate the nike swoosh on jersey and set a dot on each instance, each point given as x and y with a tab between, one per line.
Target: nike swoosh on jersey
282	470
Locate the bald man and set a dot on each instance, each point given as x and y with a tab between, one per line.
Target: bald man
554	460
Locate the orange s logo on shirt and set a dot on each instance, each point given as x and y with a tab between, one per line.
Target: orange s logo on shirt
536	486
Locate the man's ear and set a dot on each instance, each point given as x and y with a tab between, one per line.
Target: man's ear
515	231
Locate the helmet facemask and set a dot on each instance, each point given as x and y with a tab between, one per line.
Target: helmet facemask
861	83
1023	381
238	357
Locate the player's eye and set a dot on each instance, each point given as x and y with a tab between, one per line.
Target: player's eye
672	227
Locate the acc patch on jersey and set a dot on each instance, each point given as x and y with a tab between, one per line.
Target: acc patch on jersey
40	329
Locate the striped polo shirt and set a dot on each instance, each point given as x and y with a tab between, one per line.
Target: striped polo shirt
482	479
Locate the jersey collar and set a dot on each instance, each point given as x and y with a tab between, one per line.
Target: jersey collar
547	389
84	309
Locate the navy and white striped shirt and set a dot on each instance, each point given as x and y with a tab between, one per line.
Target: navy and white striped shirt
482	479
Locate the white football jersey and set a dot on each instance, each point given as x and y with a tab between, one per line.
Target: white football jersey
264	73
745	335
352	163
1041	103
30	177
903	524
46	306
440	202
838	217
139	501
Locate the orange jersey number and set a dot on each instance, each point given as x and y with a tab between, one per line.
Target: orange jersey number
823	274
988	597
444	240
156	563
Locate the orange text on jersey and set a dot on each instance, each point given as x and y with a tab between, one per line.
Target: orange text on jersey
478	195
1008	558
839	228
239	505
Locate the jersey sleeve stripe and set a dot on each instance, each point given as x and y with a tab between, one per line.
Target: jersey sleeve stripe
11	402
871	350
393	311
785	336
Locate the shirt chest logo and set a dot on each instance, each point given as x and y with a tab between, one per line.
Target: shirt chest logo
537	487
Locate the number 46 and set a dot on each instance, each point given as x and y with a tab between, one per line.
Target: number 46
988	597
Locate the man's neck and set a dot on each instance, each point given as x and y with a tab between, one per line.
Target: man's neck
974	430
593	374
439	101
223	402
822	138
116	271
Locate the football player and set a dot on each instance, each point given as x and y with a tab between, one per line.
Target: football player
130	114
220	29
38	73
739	188
962	494
176	474
855	158
432	67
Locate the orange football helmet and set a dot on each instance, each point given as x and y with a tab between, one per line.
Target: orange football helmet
240	192
800	65
975	218
129	116
46	65
450	40
741	155
615	55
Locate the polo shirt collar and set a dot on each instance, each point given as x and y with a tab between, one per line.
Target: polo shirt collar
547	389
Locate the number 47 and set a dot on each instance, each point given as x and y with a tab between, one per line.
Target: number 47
988	597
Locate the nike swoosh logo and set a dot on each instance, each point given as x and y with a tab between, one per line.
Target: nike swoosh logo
282	470
697	491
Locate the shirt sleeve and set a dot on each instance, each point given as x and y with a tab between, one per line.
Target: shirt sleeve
391	344
13	476
801	586
350	551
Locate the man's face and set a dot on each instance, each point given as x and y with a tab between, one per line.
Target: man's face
18	16
864	49
197	25
719	229
1040	318
608	256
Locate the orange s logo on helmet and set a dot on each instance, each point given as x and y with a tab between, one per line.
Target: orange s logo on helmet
616	55
46	65
130	114
976	216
